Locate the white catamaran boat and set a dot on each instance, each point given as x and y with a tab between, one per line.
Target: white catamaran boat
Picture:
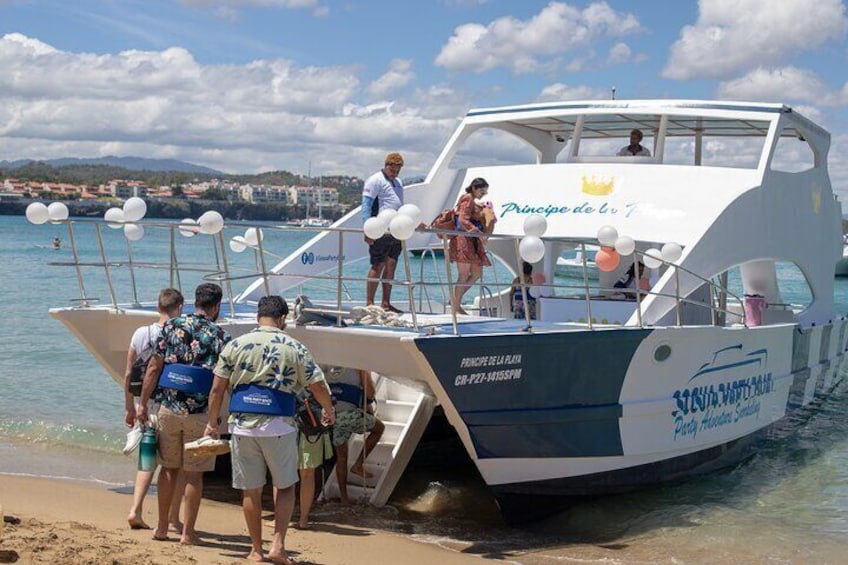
600	394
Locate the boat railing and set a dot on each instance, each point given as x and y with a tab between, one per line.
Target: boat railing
490	301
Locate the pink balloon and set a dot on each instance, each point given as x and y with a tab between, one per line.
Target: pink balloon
607	259
539	278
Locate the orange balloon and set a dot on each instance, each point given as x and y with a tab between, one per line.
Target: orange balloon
538	278
607	259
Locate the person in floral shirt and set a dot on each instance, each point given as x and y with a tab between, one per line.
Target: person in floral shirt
195	340
263	370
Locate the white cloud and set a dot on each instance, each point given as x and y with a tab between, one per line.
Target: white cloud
534	44
619	53
236	118
399	75
777	84
561	91
732	36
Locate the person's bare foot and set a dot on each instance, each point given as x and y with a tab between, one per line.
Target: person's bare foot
160	536
136	523
280	557
358	470
190	539
177	527
303	525
345	501
256	557
461	311
390	308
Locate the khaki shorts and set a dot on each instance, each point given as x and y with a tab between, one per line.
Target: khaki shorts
253	457
175	431
312	454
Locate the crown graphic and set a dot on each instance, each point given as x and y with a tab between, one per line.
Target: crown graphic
598	187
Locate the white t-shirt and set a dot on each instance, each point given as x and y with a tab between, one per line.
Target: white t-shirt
389	192
144	339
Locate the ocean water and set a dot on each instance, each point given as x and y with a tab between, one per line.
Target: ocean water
62	416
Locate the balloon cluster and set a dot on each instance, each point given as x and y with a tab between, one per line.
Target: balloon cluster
132	211
251	238
613	246
400	223
39	213
531	247
210	223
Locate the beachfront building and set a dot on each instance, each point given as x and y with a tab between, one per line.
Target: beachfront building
265	193
315	197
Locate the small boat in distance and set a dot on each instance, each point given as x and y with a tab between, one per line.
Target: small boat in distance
842	265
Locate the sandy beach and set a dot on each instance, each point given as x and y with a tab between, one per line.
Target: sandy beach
73	522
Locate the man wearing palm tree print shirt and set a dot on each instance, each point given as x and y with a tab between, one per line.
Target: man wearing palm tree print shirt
262	369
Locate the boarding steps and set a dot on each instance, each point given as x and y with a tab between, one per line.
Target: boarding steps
405	413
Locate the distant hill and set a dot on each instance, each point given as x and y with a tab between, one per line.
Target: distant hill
129	163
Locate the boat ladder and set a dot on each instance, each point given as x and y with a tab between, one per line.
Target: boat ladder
405	413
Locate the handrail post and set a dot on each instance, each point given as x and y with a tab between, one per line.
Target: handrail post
83	295
586	285
339	278
638	290
524	293
262	262
677	294
132	273
452	297
106	266
227	274
410	292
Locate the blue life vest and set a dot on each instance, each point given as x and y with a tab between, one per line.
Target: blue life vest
186	378
254	398
346	392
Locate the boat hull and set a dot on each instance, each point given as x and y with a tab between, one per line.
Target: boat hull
578	414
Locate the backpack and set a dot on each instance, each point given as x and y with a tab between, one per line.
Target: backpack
139	368
446	220
307	416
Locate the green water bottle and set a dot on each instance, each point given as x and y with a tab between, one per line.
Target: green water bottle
147	450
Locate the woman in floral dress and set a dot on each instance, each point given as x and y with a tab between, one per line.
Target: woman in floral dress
467	252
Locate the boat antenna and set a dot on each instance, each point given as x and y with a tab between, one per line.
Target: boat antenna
613	93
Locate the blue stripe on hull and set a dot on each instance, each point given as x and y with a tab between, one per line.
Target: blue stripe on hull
537	395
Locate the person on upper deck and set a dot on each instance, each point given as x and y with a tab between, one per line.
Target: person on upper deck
635	149
383	191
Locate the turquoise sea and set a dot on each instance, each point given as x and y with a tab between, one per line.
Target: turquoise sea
62	416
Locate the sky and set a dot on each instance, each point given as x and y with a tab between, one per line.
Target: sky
326	87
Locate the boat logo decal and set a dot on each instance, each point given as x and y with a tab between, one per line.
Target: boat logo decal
310	258
597	187
723	391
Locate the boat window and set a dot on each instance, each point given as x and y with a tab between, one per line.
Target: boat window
716	151
493	147
793	152
793	285
604	135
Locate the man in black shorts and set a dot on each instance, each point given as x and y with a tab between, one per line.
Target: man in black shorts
383	191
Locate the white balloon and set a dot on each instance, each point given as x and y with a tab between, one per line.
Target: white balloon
114	218
188	227
671	252
211	222
134	209
535	225
607	236
401	227
252	236
412	211
57	211
133	232
652	258
625	245
37	213
531	249
387	214
374	227
238	244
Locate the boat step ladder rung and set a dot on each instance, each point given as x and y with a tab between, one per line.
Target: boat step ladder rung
405	412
